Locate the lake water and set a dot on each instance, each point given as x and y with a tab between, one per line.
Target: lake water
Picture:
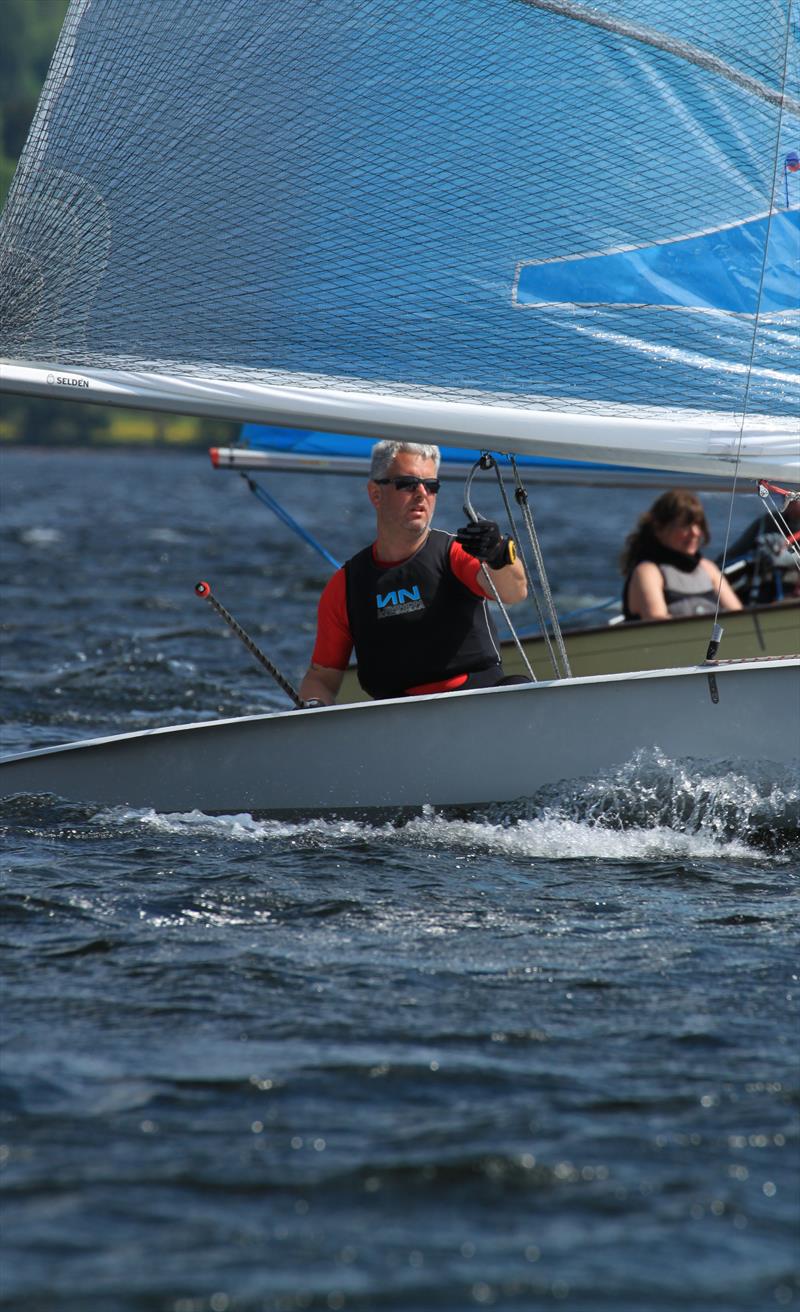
260	1067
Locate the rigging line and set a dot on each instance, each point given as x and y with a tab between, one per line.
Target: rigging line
527	515
672	46
543	626
537	604
609	604
474	517
784	528
203	589
283	515
487	576
763	562
716	631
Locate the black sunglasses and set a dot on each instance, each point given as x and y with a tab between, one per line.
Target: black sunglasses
407	483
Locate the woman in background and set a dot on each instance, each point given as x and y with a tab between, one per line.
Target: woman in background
665	574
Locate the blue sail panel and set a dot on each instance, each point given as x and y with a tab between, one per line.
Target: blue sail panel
719	271
333	446
336	448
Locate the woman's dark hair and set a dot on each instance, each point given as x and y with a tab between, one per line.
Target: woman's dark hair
675	507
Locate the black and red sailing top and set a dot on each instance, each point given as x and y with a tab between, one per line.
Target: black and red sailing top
418	625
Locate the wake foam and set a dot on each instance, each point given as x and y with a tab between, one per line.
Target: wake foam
651	808
716	801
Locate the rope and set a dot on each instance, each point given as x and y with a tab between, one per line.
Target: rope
472	514
203	590
779	520
611	603
283	515
537	604
522	502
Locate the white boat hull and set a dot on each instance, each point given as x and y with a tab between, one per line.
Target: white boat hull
457	749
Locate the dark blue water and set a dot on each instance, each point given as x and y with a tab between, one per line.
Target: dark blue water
532	1063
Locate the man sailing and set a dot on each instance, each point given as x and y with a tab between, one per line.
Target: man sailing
414	603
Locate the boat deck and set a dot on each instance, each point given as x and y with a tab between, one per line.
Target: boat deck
651	645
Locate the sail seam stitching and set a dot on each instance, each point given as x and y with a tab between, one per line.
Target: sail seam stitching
681	49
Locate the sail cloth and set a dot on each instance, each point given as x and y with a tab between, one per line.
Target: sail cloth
723	270
337	216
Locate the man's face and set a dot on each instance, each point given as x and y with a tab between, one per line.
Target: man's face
402	511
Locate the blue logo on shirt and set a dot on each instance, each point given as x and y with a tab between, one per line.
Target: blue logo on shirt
399	602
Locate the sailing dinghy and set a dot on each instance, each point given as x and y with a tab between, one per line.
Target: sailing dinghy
536	227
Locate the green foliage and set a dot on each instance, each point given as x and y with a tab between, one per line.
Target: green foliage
56	422
7	167
42	421
30	32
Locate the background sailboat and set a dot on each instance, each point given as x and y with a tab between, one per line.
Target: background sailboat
399	220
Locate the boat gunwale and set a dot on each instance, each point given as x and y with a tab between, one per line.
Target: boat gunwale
527	689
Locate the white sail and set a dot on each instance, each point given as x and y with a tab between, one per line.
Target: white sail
474	223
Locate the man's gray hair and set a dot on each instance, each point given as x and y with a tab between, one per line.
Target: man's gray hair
383	453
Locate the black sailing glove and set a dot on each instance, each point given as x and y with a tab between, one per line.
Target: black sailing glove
485	541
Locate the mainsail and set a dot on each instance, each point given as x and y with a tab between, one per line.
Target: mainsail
555	229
